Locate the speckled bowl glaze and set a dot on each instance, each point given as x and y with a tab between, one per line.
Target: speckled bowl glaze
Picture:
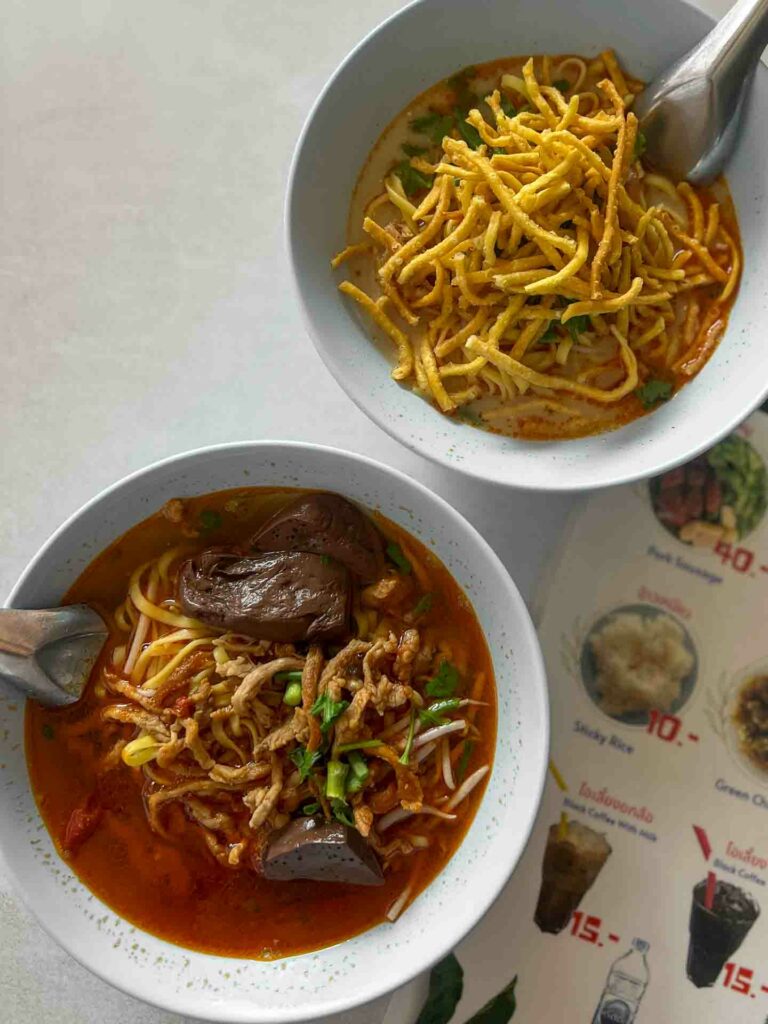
417	47
354	972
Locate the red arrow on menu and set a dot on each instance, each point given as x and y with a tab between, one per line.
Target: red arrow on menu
703	839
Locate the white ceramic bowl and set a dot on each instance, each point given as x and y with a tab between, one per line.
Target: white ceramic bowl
417	47
354	972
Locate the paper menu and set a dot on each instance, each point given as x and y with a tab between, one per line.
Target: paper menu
655	899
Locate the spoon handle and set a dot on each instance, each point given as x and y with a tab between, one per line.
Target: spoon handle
734	44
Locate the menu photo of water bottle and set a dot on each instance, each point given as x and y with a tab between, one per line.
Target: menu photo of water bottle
625	986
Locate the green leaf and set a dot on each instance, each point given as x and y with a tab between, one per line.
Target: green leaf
468	132
577	325
445	682
209	520
396	556
435	126
446	984
508	107
551	332
413	181
328	710
47	731
641	144
654	391
466	754
562	85
423	605
470	417
311	808
410	150
342	812
498	1010
435	713
305	761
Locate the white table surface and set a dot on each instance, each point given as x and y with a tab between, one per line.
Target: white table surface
146	303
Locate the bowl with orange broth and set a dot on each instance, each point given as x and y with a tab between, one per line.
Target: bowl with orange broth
495	273
304	647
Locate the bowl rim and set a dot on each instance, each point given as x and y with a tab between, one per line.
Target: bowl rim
536	682
555	484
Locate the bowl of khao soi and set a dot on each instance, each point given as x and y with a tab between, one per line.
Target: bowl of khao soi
316	729
514	274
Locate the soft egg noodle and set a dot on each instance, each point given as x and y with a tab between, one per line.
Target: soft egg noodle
551	218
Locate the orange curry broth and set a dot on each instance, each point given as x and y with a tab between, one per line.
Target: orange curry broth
174	888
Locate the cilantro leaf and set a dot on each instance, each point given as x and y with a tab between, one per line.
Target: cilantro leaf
468	132
435	126
445	682
577	325
342	812
413	181
395	555
310	808
410	150
562	85
551	332
653	392
305	761
328	710
641	144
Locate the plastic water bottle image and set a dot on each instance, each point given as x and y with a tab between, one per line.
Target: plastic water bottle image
627	981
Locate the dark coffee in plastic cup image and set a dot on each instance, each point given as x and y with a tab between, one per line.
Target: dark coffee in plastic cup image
718	932
573	859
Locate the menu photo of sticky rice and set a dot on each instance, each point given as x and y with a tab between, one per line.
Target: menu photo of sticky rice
632	660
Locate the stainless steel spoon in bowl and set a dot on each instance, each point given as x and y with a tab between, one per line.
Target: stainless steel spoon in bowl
691	114
48	654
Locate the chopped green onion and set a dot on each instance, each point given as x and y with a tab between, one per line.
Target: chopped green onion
305	761
423	605
508	107
466	753
326	560
328	710
358	745
641	143
562	85
48	732
445	683
288	677
359	772
653	392
551	333
336	780
342	812
406	754
396	556
292	695
411	150
311	808
468	132
435	713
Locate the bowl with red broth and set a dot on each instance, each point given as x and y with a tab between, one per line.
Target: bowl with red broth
492	269
317	730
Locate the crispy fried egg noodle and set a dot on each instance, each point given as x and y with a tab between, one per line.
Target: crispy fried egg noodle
545	270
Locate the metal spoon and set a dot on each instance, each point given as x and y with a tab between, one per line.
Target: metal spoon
48	654
690	115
